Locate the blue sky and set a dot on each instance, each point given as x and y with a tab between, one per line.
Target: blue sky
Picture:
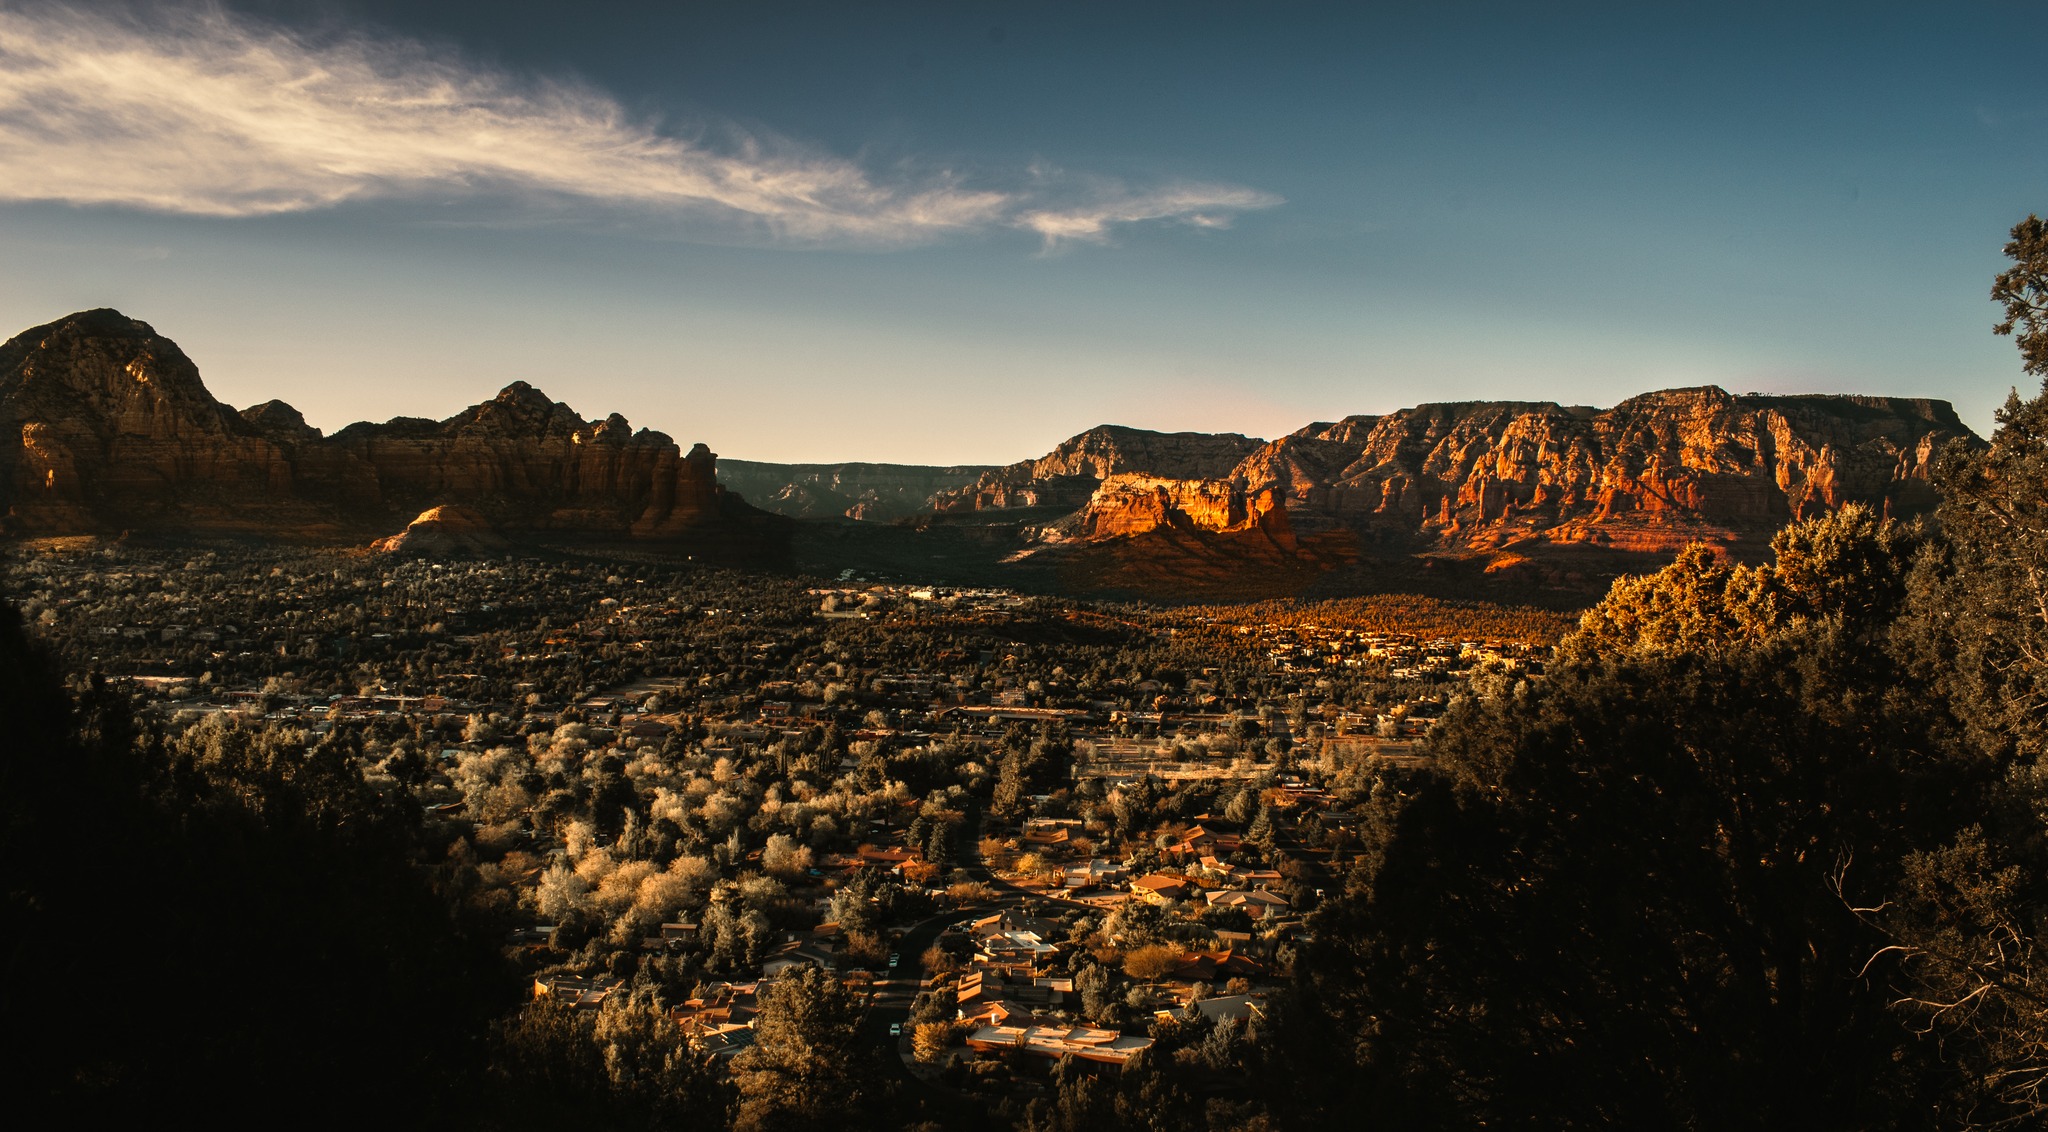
961	232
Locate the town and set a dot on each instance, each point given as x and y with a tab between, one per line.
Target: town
1028	832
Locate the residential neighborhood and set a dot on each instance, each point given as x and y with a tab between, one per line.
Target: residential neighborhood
1020	830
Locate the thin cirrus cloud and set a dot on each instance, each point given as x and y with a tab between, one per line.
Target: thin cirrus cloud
197	112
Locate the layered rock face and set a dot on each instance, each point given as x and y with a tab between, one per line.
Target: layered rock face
102	421
529	462
1068	476
1649	475
1133	504
873	492
105	425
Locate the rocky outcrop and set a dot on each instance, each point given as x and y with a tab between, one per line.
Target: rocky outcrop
445	531
873	492
1647	476
1651	473
529	462
1132	504
1068	475
105	425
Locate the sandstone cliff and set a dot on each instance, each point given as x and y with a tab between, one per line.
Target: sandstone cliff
105	426
1132	504
1068	475
1647	476
1651	473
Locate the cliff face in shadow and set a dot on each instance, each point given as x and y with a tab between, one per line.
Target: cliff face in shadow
105	426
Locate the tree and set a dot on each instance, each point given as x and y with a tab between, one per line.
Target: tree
250	850
1093	982
930	1041
1152	961
806	1068
1964	930
2023	291
1618	900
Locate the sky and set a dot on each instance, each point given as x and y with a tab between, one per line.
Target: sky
960	232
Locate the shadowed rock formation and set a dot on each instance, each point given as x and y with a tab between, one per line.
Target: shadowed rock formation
106	426
872	492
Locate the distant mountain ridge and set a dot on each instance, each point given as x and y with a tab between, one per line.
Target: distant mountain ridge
853	490
105	426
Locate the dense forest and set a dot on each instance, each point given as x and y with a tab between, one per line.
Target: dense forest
1763	846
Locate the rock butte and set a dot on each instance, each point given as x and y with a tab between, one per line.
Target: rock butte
113	430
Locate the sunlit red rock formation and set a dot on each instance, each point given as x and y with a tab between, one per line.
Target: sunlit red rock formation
1069	474
1647	476
444	530
529	462
105	426
1132	504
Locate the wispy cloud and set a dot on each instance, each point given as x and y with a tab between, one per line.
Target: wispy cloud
199	112
1202	206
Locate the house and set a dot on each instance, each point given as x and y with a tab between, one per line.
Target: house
893	857
1201	841
1043	835
1110	1047
721	1021
577	991
1010	920
1091	873
991	1012
1240	1006
979	987
1159	888
795	953
1017	949
1051	831
1209	966
1257	903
